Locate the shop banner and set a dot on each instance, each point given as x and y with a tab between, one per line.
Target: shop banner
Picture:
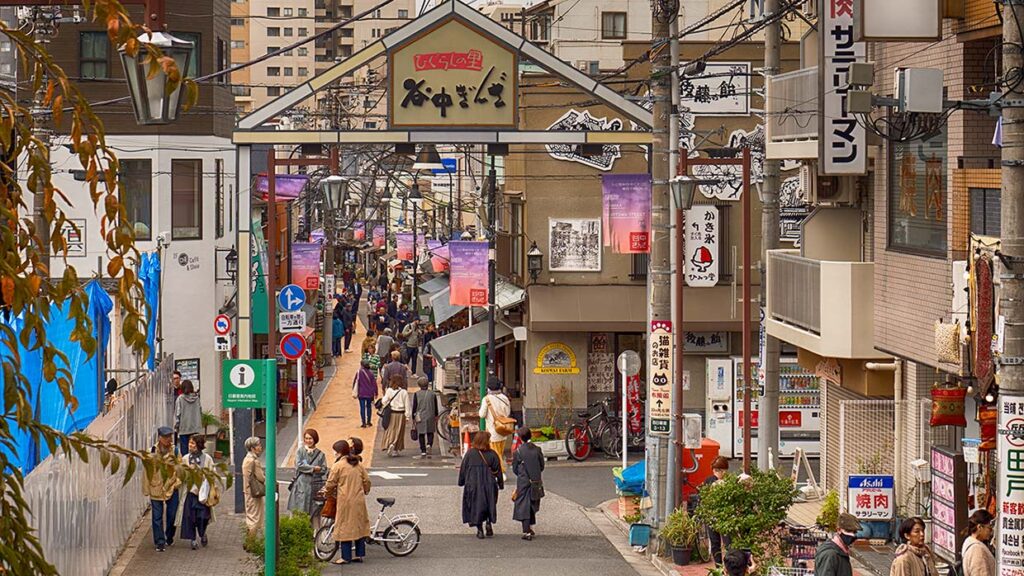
403	241
359	230
1010	514
871	497
842	147
306	265
702	242
468	276
635	404
257	263
378	236
286	186
659	378
626	220
949	504
439	256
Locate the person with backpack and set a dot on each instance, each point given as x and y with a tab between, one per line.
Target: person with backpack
496	408
977	557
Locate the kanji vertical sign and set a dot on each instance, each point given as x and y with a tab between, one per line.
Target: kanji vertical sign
870	497
1011	486
659	378
842	141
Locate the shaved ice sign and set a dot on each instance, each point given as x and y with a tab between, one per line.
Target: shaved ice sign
702	239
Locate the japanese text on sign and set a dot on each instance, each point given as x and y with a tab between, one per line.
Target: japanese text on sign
702	246
723	89
1011	485
871	497
843	142
659	377
949	502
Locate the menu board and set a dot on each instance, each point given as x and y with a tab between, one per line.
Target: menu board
949	502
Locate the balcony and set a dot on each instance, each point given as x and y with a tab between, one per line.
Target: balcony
792	103
825	307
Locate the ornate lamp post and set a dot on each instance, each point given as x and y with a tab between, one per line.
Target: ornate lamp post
152	103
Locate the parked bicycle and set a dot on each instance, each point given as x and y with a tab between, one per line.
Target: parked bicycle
598	431
400	534
447	423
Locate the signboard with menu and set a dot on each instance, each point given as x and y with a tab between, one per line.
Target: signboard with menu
1010	515
949	502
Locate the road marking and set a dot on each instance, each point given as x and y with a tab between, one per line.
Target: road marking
392	476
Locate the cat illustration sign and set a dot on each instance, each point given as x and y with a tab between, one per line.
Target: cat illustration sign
244	381
659	378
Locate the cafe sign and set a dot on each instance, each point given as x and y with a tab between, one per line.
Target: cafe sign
452	76
556	358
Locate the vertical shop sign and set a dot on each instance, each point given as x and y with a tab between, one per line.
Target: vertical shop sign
468	276
702	243
1011	486
842	142
659	377
359	230
259	282
949	502
439	256
626	220
306	265
634	404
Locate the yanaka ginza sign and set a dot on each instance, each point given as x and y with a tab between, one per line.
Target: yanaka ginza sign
452	76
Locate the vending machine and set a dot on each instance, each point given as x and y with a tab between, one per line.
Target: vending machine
799	407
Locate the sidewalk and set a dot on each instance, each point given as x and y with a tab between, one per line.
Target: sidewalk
223	556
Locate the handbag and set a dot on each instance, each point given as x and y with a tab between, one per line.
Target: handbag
414	433
536	490
503	425
257	489
330	507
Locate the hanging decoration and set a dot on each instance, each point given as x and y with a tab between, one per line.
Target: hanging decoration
948	406
982	321
933	188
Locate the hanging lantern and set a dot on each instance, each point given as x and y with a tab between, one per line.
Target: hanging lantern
152	102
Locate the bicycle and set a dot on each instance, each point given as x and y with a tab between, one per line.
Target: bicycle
590	431
443	423
400	537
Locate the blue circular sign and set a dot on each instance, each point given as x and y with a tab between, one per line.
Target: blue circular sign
291	298
293	346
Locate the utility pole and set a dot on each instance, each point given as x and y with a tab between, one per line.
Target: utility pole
673	493
492	233
659	275
43	21
768	432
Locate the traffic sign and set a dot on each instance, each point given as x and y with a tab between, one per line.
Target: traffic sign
243	382
222	343
222	324
629	362
288	322
291	298
293	346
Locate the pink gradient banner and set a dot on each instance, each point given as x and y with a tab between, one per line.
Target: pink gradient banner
403	242
359	230
378	236
468	276
306	265
627	213
440	256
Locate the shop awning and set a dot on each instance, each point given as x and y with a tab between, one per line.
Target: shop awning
443	309
451	345
588	308
435	284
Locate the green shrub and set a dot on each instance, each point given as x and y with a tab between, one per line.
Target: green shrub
828	518
680	530
746	510
295	535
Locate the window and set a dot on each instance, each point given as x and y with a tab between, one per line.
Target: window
303	71
613	25
370	125
273	90
273	32
272	49
288	71
303	51
218	189
288	11
303	13
5	45
376	13
236	44
273	70
289	31
917	196
403	14
594	67
136	179
237	22
985	211
186	199
94	56
193	64
274	12
376	33
303	32
516	232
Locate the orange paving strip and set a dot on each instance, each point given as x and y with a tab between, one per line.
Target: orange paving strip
338	401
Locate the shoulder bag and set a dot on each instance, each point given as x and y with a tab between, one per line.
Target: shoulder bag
257	489
503	425
384	413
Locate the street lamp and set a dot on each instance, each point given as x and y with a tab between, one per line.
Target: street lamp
231	264
534	262
428	159
415	198
152	102
683	189
334	188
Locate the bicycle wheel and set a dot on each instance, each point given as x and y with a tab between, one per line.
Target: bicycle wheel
308	404
611	439
703	548
444	430
401	538
578	442
324	546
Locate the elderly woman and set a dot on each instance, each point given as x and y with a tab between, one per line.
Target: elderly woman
196	514
254	484
913	557
350	484
480	479
310	470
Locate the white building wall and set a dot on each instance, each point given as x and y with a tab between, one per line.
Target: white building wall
576	30
191	295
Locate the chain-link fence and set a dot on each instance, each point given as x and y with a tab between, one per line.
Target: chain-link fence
866	439
83	514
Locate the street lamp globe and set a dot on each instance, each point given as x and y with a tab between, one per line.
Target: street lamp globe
150	99
428	159
415	197
334	188
534	261
683	188
231	263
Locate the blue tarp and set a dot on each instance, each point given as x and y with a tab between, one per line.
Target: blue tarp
149	276
86	375
632	478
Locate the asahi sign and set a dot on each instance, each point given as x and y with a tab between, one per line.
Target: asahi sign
842	141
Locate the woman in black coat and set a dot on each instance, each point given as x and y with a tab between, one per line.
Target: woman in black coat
528	465
480	477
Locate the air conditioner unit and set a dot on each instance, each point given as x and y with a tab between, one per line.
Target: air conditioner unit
582	65
827	189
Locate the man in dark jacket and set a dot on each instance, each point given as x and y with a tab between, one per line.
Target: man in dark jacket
832	558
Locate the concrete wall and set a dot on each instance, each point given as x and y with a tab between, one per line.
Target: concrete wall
833	234
542	387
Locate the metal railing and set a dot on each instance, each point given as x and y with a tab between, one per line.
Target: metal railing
82	513
792	103
795	284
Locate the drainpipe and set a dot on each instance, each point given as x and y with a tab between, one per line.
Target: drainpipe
896	367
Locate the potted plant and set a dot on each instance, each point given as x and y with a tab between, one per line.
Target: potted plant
680	533
211	426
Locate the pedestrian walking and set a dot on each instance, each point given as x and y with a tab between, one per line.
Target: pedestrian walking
369	354
393	414
349	318
393	307
357	293
978	559
428	355
310	473
404	317
337	330
176	383
425	408
480	479
162	490
738	563
188	415
364	388
197	514
495	408
254	484
384	342
394	368
528	466
719	542
832	558
913	557
413	339
350	484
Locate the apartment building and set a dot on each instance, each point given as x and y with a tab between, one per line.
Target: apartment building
8	55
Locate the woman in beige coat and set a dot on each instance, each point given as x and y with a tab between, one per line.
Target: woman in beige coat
978	558
254	482
913	557
350	483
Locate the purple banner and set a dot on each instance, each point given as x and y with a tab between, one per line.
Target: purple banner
306	265
378	236
286	186
317	236
359	230
468	277
403	240
627	212
439	256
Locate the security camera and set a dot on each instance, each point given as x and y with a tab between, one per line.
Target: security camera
163	240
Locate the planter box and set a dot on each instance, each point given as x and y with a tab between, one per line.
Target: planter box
552	448
628	506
